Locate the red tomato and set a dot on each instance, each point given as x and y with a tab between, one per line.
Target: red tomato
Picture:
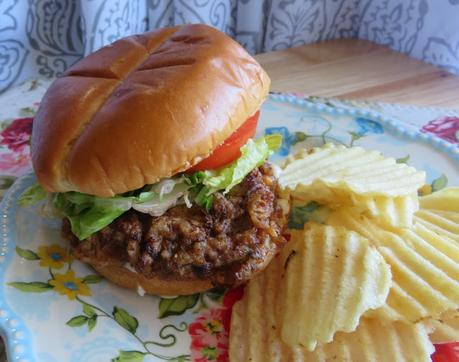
230	149
448	352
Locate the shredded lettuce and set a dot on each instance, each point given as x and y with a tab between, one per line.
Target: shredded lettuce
253	154
88	214
204	198
199	193
161	201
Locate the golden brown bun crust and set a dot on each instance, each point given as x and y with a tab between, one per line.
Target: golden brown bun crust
144	108
126	278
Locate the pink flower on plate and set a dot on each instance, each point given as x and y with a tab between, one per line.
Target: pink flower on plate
210	330
209	339
17	135
15	163
446	128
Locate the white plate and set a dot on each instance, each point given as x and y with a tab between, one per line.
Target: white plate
112	322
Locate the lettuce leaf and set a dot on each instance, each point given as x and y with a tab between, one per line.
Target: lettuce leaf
253	154
88	214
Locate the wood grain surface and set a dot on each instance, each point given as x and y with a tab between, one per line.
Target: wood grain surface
357	69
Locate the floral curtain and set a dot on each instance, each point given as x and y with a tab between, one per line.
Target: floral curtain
45	37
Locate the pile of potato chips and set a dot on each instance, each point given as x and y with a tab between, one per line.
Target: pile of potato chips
373	275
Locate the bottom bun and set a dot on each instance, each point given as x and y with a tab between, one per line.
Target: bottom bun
126	278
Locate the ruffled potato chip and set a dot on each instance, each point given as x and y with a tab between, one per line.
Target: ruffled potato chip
392	212
388	211
331	277
440	212
318	301
424	266
444	329
442	222
446	199
377	341
255	335
353	169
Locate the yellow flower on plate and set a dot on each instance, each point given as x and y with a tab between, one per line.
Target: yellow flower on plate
425	190
214	326
68	284
53	256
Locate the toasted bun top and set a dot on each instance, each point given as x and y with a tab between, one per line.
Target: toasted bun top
143	108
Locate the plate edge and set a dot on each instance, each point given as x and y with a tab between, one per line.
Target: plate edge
16	336
391	124
8	205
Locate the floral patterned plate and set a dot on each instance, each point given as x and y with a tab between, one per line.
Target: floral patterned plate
54	309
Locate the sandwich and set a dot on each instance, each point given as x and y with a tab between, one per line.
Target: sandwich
145	149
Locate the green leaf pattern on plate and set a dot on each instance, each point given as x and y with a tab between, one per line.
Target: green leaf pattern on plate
89	311
403	159
129	356
92	279
31	287
26	254
312	211
77	321
125	320
439	183
177	305
92	322
92	313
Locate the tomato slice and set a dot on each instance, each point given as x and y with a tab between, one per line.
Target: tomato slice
229	150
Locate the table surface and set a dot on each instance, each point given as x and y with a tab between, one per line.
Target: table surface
357	69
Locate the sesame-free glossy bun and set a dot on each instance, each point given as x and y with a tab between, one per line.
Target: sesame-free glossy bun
127	278
143	108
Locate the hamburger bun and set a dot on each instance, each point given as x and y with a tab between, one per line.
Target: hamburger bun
143	108
140	110
157	285
127	278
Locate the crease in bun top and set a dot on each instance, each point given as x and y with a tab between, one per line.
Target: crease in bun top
145	149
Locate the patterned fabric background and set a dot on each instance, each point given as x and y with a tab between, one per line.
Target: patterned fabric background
45	37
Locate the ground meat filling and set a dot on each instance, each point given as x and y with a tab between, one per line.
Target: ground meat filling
226	245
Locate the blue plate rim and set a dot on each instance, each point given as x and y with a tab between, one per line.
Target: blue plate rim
16	336
390	124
